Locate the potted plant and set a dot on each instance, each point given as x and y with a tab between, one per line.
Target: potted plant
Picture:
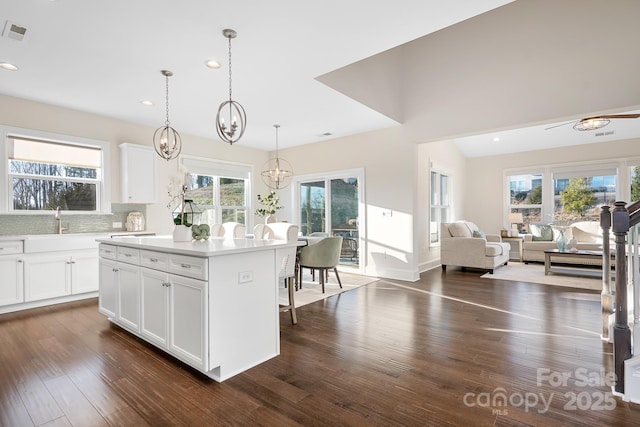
270	205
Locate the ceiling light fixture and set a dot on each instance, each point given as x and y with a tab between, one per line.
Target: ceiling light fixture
237	117
166	140
276	172
212	63
591	123
8	66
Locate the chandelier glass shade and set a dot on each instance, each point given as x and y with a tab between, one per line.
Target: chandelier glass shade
166	140
231	129
276	172
592	123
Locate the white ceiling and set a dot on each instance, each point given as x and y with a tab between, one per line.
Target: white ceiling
106	57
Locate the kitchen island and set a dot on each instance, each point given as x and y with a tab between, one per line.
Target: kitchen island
212	304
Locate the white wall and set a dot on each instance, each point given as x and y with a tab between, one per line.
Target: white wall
485	204
32	115
389	161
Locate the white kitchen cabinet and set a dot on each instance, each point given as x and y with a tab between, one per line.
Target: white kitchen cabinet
137	174
213	305
84	272
46	275
11	283
107	300
188	320
154	306
128	313
174	315
56	274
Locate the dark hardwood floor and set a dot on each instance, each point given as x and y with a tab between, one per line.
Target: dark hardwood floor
441	351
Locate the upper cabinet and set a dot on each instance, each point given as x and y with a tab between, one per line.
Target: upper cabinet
137	174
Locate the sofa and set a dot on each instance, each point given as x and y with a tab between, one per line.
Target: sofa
463	244
588	236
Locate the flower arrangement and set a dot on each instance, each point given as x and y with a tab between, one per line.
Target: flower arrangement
270	204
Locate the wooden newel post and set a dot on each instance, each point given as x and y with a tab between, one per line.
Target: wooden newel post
606	297
621	331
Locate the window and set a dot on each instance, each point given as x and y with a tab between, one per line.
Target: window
220	190
564	194
440	205
45	171
525	196
580	194
333	204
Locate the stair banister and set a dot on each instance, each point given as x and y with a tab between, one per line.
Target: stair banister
621	332
606	296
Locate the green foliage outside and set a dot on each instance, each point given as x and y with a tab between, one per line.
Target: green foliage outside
535	196
577	197
635	185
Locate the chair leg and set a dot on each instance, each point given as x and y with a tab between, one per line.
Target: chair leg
335	270
300	279
292	304
322	279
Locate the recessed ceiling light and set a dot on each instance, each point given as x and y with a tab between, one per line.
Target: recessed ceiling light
212	63
147	103
8	66
496	139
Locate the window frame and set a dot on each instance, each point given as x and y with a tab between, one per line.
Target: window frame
103	183
549	172
448	207
221	169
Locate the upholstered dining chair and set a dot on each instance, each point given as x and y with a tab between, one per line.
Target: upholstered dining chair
234	230
217	230
259	231
322	256
289	233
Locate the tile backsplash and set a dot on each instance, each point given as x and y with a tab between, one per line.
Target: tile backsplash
46	223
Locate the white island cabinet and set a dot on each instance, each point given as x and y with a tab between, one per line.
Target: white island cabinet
212	304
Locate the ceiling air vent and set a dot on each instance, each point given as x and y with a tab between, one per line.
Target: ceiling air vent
14	31
604	133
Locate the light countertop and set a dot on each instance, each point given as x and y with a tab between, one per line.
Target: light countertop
214	246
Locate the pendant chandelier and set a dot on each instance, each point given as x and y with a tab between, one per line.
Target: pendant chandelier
276	172
233	129
166	140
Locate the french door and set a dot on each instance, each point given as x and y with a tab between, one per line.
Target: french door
332	205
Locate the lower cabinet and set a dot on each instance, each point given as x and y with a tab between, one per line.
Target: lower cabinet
107	297
167	310
46	276
51	275
11	283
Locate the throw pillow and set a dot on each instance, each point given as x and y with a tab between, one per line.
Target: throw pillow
479	233
541	232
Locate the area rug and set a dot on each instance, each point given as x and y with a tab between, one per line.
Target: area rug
534	273
312	291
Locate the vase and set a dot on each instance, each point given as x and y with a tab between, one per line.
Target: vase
181	233
561	241
270	218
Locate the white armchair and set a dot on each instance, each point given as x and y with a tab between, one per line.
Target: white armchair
463	244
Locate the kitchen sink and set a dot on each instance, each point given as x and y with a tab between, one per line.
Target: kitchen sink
61	242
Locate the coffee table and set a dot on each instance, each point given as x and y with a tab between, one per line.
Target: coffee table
556	254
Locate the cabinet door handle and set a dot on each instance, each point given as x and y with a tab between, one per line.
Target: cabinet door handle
185	265
128	255
153	259
115	270
19	260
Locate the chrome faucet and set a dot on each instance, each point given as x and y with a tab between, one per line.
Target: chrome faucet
58	217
